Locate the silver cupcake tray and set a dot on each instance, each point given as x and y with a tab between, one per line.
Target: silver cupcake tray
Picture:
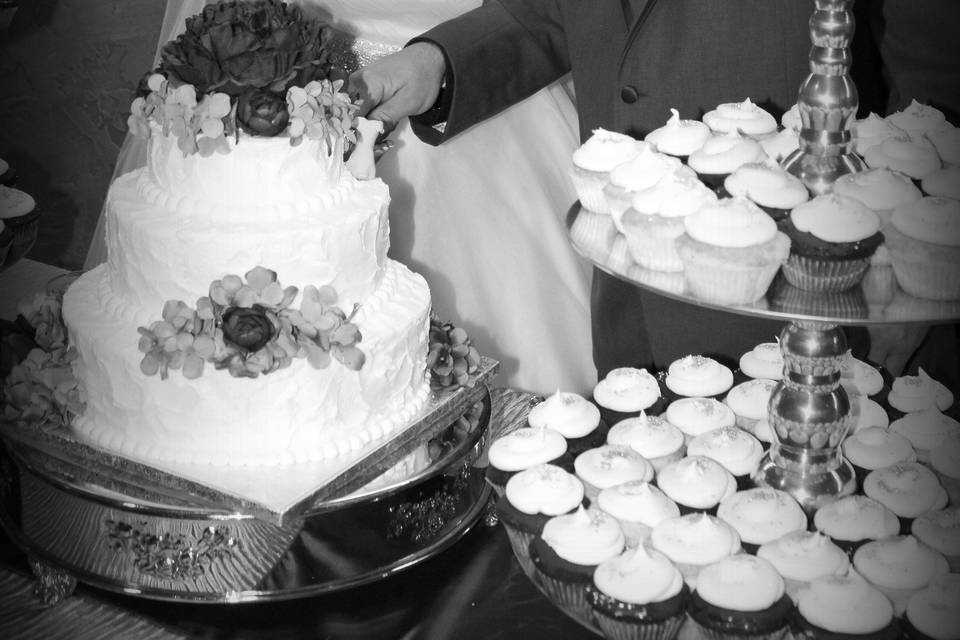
278	495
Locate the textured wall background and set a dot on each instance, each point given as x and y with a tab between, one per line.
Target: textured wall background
67	72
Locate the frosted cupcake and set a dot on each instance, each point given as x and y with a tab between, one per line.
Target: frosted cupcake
844	607
791	119
909	489
679	138
696	484
910	393
915	159
610	465
761	515
946	140
917	119
932	613
594	234
721	155
640	172
801	557
899	566
763	361
859	377
694	416
945	462
696	376
832	238
768	186
871	131
693	542
741	596
574	417
743	117
780	145
924	243
852	521
875	448
943	182
638	595
654	220
532	497
925	430
20	216
625	392
940	530
653	437
763	432
638	506
567	553
738	451
750	401
594	160
521	449
731	252
882	190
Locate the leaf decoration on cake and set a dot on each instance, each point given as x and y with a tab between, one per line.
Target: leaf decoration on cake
452	359
248	327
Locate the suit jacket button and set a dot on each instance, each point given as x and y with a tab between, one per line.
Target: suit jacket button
629	94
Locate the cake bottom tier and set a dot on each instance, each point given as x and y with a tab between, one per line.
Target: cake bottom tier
292	415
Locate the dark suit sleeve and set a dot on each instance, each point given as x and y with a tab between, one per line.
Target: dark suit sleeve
497	55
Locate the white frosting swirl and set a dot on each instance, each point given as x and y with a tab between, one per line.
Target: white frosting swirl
943	182
697	482
805	556
766	185
854	518
751	399
696	375
917	119
780	145
585	537
931	219
610	465
675	195
925	429
791	119
762	514
844	604
873	130
638	576
945	459
876	447
859	377
916	393
525	447
909	489
940	530
650	436
867	413
915	159
696	538
679	137
643	170
899	562
741	583
731	222
722	154
627	389
946	140
735	449
568	413
544	488
14	202
693	416
763	361
878	189
745	117
835	218
637	501
604	150
934	611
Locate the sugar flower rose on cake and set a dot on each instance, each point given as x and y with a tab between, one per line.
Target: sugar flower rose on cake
871	131
595	159
924	243
745	117
679	137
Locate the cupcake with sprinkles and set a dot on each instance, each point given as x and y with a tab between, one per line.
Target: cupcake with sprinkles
694	416
653	437
932	613
910	393
763	361
738	451
909	489
696	484
638	506
625	392
844	607
521	449
940	530
750	401
761	515
768	186
899	566
743	117
721	155
852	521
678	137
697	376
594	160
574	417
923	239
875	448
609	465
925	430
800	557
914	158
694	541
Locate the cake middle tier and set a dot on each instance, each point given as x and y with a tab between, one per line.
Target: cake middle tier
164	247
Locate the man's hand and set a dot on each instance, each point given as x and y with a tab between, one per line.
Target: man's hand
891	346
402	84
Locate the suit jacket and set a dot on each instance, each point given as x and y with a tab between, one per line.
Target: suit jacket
631	62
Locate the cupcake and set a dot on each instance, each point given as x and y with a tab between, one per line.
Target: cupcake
522	449
763	432
20	216
738	451
831	241
761	515
574	417
696	483
915	159
696	376
678	138
875	448
763	361
594	160
781	145
791	120
693	542
943	182
653	437
568	552
638	595
720	156
871	131
860	378
694	416
910	393
668	281
743	117
917	119
640	172
638	506
844	607
932	613
801	557
852	521
925	430
924	243
618	260
532	497
769	187
945	462
940	530
867	413
610	465
881	190
731	251
899	566
946	140
593	234
625	392
654	220
909	489
741	596
750	401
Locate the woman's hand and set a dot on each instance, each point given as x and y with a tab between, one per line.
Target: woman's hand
402	84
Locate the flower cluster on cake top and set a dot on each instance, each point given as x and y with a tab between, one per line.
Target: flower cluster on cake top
260	67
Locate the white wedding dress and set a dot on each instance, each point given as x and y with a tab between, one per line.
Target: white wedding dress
481	217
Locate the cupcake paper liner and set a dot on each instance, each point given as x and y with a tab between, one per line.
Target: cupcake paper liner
627	621
731	276
718	623
569	596
588	186
924	269
827	276
614	629
594	233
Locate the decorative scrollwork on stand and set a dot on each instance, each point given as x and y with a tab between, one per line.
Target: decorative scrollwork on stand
171	556
53	583
422	520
